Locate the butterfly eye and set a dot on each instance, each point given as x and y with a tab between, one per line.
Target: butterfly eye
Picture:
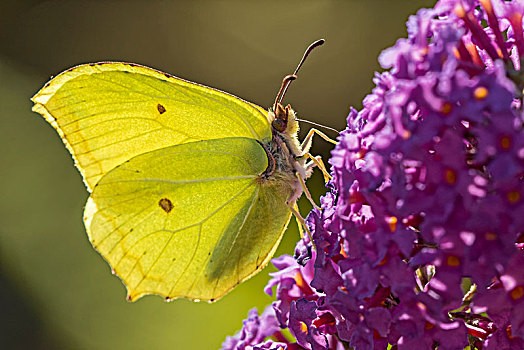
279	125
281	117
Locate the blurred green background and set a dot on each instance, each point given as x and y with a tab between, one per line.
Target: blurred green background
56	292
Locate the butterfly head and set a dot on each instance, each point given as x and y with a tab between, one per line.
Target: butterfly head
283	120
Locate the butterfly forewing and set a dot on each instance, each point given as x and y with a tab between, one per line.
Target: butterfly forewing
107	113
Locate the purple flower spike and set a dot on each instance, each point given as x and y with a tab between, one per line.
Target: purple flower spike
256	329
420	242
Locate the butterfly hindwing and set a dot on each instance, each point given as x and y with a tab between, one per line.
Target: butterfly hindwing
190	220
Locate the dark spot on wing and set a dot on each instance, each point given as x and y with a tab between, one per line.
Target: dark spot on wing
161	109
166	205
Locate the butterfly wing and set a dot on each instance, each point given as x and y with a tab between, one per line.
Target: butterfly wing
191	220
109	112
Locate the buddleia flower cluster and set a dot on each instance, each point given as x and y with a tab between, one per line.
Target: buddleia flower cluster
420	242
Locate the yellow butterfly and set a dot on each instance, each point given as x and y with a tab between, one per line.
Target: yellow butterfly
191	188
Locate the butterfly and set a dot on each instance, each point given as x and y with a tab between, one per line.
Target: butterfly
191	188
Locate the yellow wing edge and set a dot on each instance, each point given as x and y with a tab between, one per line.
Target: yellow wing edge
40	108
43	95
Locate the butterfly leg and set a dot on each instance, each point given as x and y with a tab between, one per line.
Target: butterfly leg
306	191
308	140
320	164
301	222
306	145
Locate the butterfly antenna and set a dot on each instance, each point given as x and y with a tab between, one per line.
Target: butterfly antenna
285	83
317	125
289	78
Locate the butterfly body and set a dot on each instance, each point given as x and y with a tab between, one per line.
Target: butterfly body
190	187
286	151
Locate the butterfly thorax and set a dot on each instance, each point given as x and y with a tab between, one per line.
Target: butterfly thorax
285	156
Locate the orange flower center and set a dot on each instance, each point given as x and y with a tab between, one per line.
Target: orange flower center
480	93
